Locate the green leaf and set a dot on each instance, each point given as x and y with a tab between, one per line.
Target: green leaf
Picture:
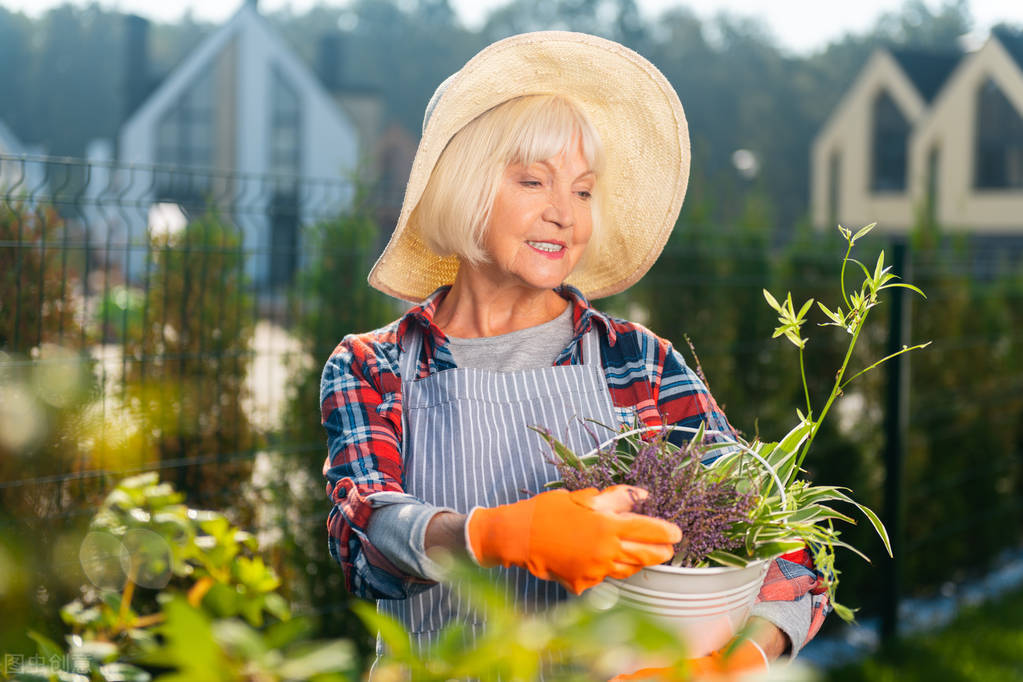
188	644
795	339
794	438
804	309
45	646
276	605
727	558
843	612
391	631
879	268
31	672
221	600
95	651
818	512
863	231
123	672
699	435
878	526
312	659
563	452
866	272
772	301
904	286
241	640
769	550
139	482
846	545
835	316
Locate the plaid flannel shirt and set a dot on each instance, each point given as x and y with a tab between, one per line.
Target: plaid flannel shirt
361	407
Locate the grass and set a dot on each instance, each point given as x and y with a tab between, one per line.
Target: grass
984	644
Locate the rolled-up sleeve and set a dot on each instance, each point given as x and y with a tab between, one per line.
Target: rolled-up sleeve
794	598
360	402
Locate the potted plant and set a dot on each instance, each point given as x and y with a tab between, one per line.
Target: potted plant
739	504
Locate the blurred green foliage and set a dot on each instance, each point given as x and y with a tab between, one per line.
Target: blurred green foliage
180	594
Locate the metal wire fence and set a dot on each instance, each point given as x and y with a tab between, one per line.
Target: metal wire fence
169	319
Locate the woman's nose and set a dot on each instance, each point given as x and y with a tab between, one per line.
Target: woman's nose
560	211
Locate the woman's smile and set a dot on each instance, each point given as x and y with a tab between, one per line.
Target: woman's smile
549	249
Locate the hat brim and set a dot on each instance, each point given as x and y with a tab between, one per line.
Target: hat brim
643	131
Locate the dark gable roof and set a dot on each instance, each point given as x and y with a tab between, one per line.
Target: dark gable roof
1012	41
927	69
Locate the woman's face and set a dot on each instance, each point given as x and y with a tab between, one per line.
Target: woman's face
541	221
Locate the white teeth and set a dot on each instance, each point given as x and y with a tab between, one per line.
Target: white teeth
546	246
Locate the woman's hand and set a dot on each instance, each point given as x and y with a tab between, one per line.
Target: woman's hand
577	538
765	642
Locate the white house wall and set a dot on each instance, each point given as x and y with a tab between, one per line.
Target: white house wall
949	128
849	133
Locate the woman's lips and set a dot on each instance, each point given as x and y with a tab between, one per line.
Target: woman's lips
553	250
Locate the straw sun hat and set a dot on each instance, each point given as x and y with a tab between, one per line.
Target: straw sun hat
640	122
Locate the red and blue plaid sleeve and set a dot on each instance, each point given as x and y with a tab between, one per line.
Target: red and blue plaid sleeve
791	577
360	401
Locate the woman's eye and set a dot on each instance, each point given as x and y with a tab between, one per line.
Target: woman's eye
584	194
530	183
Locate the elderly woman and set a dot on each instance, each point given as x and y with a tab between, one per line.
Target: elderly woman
551	170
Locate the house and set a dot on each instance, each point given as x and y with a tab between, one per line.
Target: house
860	159
243	101
938	133
968	152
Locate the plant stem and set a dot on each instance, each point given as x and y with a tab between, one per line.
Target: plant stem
835	390
126	596
841	277
883	360
806	390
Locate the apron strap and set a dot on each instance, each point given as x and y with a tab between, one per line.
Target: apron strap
408	360
591	349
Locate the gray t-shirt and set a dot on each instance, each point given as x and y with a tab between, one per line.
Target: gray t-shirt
528	348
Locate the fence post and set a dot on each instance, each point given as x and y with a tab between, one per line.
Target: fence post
896	422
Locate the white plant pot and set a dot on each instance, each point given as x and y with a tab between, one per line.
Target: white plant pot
707	605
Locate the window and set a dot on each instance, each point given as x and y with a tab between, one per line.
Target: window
999	134
184	137
891	134
285	126
185	133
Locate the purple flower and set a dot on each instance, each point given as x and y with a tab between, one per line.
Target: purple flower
696	498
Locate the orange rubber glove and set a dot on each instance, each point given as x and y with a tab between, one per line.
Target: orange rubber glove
577	538
747	658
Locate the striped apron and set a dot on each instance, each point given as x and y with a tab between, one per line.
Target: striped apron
467	443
